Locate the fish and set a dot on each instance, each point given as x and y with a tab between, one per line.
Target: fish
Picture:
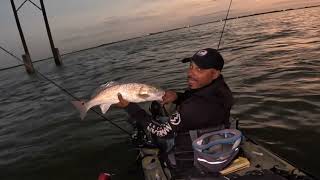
107	94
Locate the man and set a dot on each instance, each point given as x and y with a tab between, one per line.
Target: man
206	104
204	107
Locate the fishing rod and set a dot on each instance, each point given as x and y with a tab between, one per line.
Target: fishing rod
237	121
225	22
66	91
10	53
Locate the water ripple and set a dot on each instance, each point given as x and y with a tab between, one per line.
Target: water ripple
271	64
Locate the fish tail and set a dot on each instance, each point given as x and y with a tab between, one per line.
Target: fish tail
82	107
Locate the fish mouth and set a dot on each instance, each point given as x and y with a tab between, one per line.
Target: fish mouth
161	94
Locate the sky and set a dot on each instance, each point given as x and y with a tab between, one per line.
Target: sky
80	24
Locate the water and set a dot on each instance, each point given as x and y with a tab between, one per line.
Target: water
272	66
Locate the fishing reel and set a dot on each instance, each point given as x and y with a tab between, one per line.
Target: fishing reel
140	138
143	138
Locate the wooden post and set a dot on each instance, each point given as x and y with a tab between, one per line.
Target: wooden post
28	64
26	57
55	51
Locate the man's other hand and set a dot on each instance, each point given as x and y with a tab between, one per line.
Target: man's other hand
169	97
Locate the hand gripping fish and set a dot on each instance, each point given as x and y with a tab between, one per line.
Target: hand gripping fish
107	95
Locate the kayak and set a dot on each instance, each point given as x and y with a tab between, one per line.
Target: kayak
253	162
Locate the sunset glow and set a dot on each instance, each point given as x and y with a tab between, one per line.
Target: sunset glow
78	24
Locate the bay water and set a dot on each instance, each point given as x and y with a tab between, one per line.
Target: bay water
272	65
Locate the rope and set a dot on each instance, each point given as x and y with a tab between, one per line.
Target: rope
10	53
66	91
225	22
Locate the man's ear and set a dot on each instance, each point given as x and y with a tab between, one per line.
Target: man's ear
215	74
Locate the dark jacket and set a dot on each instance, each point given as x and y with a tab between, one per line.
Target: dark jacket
206	107
197	109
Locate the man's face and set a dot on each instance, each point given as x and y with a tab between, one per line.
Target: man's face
198	78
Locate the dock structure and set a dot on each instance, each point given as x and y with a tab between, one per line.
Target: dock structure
26	57
55	51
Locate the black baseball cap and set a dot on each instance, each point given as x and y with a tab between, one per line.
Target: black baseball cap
206	59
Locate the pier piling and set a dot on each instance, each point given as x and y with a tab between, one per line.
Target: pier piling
28	63
26	57
55	51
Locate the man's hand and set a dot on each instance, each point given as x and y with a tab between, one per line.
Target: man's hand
122	102
169	97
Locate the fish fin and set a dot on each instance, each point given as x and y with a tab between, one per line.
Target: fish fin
104	108
144	96
82	107
104	86
110	84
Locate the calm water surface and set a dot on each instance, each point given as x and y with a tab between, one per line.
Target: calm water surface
272	66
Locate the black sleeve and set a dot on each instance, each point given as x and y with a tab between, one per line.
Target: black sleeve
181	97
144	119
137	114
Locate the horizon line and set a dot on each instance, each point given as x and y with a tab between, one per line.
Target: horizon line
169	30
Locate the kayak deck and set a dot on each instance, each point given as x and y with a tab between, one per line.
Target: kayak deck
261	158
263	164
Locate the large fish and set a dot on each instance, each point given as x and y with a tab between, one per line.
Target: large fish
107	95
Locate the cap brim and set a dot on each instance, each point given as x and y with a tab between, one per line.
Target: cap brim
185	60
